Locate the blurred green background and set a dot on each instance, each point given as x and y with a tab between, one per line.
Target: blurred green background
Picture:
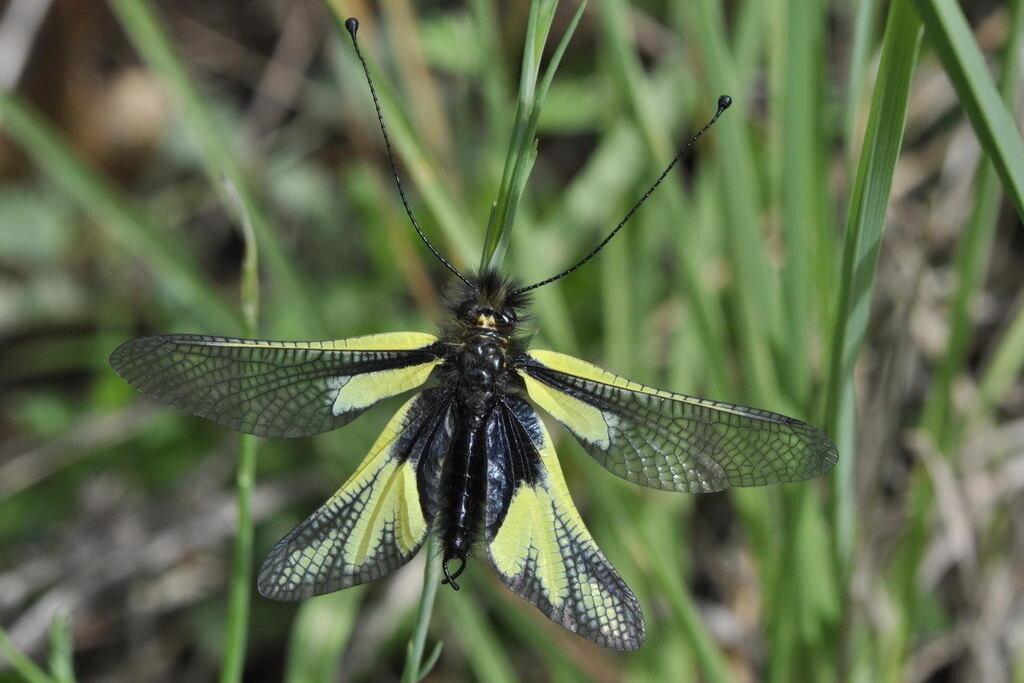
844	246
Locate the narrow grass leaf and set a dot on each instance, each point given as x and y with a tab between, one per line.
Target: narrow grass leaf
427	176
972	256
640	96
950	35
25	667
126	225
862	40
61	650
522	148
1003	369
319	634
483	646
862	240
757	309
240	588
798	106
414	666
220	161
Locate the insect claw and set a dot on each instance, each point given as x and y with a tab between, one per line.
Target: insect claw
450	578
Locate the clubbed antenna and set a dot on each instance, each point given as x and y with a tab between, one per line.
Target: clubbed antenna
352	26
724	102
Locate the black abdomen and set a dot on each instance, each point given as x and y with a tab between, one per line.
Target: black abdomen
465	483
480	374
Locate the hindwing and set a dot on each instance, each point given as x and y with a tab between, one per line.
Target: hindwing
278	389
673	441
537	542
378	519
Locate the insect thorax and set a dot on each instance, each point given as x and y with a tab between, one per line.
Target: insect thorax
484	318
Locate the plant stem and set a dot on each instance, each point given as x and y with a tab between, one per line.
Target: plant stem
518	163
432	572
236	629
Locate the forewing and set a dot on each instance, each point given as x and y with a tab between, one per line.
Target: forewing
673	441
537	542
375	523
278	389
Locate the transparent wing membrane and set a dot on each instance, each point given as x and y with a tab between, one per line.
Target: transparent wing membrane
540	547
672	441
278	389
376	521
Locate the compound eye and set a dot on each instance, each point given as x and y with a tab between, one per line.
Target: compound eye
507	318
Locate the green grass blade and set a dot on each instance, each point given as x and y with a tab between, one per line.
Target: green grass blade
415	667
948	32
240	588
318	637
635	86
972	256
25	667
126	225
506	206
61	659
431	660
757	310
482	645
220	161
799	107
865	222
1003	369
522	148
860	55
427	176
521	142
709	657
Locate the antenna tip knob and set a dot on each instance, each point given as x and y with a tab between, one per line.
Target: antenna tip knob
352	25
724	101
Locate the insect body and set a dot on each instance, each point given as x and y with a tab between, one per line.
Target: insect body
468	457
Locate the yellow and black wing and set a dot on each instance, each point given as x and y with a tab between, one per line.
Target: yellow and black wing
537	542
271	388
377	520
672	441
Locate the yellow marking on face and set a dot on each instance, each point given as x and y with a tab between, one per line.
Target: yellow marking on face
583	419
364	390
574	366
486	321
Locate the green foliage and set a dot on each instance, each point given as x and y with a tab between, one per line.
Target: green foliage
752	281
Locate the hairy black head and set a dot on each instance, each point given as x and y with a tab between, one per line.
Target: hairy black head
487	300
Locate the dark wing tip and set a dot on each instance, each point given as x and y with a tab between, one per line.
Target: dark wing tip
132	361
632	638
268	580
824	453
122	357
